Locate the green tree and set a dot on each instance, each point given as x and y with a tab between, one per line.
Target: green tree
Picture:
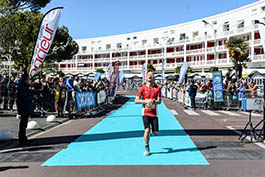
24	28
151	67
63	46
238	53
100	70
177	70
13	6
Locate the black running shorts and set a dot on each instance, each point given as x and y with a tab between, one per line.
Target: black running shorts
153	121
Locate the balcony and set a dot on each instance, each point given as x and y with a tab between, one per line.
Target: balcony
257	41
102	60
137	57
120	58
173	54
135	66
221	48
195	51
259	57
84	68
155	55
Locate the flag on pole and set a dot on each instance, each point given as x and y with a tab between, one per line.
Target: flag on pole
164	62
109	71
262	35
45	37
97	76
144	72
183	70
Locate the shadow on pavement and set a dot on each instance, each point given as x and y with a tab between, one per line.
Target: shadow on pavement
12	167
127	134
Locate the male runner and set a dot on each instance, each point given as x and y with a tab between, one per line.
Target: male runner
151	96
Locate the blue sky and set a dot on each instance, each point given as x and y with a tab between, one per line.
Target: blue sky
97	18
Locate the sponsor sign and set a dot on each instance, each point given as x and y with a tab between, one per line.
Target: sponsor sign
218	86
250	104
101	96
85	99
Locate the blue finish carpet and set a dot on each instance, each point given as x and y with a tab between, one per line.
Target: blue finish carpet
118	140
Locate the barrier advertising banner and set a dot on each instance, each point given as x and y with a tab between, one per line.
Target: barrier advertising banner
85	99
218	86
45	38
101	96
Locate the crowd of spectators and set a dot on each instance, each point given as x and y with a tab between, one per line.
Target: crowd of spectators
50	93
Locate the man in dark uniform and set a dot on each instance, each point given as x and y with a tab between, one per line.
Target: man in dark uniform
24	107
192	93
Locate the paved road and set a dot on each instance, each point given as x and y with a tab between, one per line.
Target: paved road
212	131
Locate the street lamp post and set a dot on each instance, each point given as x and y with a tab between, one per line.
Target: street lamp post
215	32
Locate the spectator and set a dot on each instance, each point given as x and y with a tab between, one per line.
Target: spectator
24	106
4	91
60	97
192	93
11	86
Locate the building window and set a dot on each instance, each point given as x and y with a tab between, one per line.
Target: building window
144	42
172	31
156	40
182	36
240	24
83	48
134	37
119	45
128	38
226	26
195	34
108	46
214	22
263	8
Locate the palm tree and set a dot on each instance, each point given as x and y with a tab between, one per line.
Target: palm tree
151	67
177	70
238	53
100	70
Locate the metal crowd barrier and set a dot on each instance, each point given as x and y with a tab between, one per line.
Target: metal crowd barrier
205	100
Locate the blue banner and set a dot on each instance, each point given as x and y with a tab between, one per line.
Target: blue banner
97	76
85	99
218	86
164	62
144	72
122	77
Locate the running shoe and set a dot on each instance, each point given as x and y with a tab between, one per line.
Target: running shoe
147	151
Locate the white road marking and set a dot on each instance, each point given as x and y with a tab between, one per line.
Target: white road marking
252	114
230	113
174	112
191	113
211	113
261	145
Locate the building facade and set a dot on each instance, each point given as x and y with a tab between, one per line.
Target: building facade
201	43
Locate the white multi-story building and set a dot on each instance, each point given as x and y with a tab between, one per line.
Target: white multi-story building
201	43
